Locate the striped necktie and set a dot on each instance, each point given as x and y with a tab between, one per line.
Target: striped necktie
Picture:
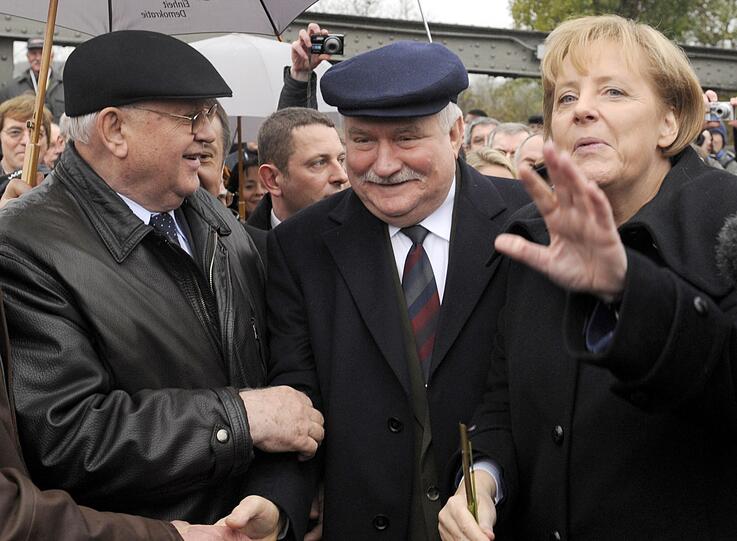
421	293
164	223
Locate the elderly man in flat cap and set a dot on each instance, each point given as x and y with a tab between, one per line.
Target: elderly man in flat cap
27	82
135	299
381	304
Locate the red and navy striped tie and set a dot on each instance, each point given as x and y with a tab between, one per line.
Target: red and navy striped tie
421	293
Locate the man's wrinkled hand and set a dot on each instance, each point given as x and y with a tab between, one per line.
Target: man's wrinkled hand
282	419
455	521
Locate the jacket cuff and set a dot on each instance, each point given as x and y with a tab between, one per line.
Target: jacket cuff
233	444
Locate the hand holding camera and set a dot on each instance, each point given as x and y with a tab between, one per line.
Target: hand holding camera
312	46
717	112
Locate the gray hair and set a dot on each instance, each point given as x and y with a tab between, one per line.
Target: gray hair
508	128
477	122
448	115
78	128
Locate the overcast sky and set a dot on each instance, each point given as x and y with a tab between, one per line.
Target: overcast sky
493	13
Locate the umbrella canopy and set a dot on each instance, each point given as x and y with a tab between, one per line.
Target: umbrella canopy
96	17
253	68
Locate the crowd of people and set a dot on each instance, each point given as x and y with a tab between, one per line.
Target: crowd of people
278	340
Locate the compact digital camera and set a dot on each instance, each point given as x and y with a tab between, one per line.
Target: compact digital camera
330	44
720	111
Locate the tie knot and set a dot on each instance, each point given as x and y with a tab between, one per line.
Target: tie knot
416	233
164	223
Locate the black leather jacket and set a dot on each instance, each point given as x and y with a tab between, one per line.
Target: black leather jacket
128	353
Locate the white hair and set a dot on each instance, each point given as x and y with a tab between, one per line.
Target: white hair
79	128
448	115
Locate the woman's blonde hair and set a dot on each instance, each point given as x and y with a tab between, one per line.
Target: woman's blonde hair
665	65
489	156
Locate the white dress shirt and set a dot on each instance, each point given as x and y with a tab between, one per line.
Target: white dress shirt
436	244
145	217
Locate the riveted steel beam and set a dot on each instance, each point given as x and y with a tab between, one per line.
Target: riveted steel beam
491	51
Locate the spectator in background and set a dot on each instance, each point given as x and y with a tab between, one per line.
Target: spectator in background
300	162
490	162
473	114
507	137
252	191
719	151
27	83
535	123
300	80
477	132
15	136
530	151
56	146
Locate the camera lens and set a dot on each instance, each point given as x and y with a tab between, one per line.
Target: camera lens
331	45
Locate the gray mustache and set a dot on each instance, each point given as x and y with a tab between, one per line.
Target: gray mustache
403	175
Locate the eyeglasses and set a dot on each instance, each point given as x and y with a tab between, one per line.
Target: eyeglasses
17	133
197	120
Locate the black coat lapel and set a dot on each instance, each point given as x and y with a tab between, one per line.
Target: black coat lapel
360	247
478	215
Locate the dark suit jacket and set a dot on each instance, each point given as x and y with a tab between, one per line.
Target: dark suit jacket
336	333
260	218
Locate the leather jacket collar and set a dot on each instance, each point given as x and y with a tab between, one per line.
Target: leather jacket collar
119	229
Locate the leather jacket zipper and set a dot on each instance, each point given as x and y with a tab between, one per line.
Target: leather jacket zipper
258	345
212	258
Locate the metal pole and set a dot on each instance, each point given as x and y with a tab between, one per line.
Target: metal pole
241	174
422	14
30	163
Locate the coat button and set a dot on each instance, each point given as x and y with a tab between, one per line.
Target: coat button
700	305
433	494
395	425
381	522
558	434
555	536
222	435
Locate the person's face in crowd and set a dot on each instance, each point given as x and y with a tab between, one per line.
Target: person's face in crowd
479	135
14	137
211	161
495	170
531	153
401	169
717	142
164	152
508	143
252	190
612	122
56	146
34	59
315	167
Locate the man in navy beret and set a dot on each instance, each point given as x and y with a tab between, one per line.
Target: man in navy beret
135	300
382	306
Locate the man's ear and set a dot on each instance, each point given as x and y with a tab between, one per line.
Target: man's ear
112	130
456	135
271	178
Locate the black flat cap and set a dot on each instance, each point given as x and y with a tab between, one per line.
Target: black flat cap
128	66
404	79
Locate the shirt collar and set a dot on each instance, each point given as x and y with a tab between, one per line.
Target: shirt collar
440	222
141	212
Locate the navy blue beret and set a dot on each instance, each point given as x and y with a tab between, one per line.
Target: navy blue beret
404	79
128	66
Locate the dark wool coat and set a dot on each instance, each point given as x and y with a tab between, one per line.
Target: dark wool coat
638	441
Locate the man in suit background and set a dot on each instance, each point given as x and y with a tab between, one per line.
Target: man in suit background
393	382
